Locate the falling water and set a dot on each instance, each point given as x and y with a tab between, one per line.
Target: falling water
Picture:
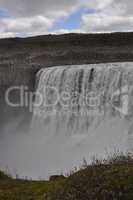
72	100
79	112
84	110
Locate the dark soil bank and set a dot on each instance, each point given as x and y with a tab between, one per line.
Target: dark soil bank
67	49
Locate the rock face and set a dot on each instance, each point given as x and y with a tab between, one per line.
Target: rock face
13	76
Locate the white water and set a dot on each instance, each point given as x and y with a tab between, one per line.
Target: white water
86	111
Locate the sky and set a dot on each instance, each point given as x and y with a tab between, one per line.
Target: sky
23	18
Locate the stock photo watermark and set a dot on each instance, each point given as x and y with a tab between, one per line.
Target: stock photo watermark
51	100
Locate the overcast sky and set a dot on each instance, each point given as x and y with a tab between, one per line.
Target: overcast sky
36	17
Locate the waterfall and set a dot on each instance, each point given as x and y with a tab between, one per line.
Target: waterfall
73	100
82	111
79	112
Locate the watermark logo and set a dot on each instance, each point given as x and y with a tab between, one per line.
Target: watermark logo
50	97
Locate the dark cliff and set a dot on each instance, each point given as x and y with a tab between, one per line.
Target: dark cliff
67	49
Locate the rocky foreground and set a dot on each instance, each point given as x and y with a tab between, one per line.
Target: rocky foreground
109	180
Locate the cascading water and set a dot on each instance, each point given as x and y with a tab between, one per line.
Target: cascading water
85	110
73	100
79	112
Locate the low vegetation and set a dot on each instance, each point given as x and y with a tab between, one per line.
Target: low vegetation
110	179
16	189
